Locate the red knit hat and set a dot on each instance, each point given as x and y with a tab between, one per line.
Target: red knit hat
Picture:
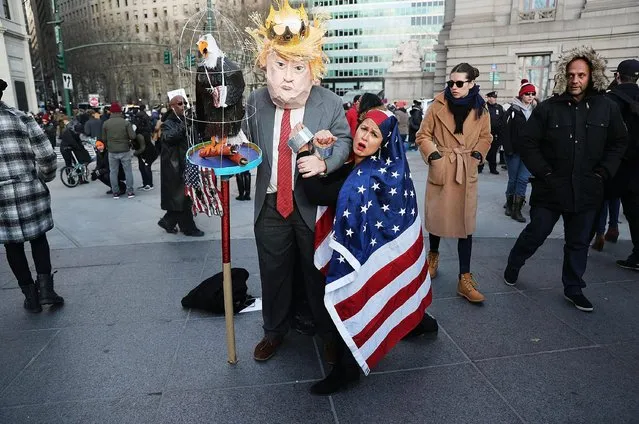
115	107
526	87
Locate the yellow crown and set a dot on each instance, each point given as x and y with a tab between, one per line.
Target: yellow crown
287	25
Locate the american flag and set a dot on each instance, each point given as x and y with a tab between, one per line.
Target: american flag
200	186
377	286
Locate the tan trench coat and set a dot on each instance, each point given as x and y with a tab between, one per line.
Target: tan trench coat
451	188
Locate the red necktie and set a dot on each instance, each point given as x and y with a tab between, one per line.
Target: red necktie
284	177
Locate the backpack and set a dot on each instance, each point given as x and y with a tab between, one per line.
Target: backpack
209	295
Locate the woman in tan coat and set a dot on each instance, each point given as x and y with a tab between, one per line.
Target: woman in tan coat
453	139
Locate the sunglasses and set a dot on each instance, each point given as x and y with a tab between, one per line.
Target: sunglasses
179	104
530	94
459	84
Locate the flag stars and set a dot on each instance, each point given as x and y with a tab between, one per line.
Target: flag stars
349	232
388	161
402	211
393	191
375	186
373	242
359	172
379	225
395	174
382	170
405	193
374	158
346	214
364	228
412	211
412	193
341	259
385	208
395	229
370	203
361	189
364	208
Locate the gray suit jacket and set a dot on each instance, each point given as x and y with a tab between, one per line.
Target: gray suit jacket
323	111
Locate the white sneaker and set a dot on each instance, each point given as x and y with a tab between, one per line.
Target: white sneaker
147	187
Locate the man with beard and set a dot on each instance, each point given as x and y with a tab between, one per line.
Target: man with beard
572	144
289	50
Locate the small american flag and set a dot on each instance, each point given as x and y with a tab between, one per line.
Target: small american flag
377	285
200	186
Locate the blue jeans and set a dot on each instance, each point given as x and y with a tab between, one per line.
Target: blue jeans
115	159
611	206
518	176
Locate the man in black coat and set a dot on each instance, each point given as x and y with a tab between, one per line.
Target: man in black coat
496	127
147	155
571	144
172	164
625	184
414	122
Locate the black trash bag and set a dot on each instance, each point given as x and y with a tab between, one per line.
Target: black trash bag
209	295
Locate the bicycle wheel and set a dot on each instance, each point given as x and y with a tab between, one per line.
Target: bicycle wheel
69	177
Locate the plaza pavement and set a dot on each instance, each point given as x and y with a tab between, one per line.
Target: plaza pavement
123	350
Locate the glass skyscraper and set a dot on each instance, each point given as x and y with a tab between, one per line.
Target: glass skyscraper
363	36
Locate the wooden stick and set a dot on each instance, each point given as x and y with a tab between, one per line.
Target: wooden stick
226	270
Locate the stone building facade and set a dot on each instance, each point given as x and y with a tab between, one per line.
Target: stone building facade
508	40
116	48
15	61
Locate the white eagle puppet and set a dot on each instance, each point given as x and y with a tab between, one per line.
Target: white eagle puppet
219	87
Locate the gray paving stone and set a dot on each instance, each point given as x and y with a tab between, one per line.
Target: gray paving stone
625	351
18	348
614	317
289	403
445	284
507	324
422	351
201	360
98	362
577	386
450	394
128	410
133	273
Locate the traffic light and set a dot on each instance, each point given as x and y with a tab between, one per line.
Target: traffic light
167	57
59	59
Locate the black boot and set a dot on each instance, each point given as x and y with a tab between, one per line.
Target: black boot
428	325
240	186
247	186
480	168
509	205
493	168
518	203
31	301
47	295
339	378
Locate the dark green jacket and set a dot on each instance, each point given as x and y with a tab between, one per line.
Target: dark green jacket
117	134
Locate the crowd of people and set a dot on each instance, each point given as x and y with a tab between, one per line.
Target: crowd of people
577	148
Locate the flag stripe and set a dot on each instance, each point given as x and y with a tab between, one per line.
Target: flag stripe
381	279
399	331
392	302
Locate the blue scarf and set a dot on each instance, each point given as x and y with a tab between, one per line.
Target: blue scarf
460	108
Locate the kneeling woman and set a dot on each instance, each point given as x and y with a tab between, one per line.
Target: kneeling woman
377	283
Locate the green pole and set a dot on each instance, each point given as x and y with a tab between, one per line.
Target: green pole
58	39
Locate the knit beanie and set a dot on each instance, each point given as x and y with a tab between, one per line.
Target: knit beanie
526	87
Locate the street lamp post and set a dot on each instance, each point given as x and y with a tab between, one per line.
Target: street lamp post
58	40
209	16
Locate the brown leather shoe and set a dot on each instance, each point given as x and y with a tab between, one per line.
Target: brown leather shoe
467	287
612	235
433	263
266	348
599	242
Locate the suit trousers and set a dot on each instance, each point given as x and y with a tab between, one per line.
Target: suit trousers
280	243
577	228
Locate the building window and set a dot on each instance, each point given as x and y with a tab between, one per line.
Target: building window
5	8
528	5
536	69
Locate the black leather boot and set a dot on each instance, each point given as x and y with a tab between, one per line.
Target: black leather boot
47	295
240	186
247	186
340	377
509	205
518	203
31	301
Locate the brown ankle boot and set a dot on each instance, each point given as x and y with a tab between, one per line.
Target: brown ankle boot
433	263
599	242
612	235
467	287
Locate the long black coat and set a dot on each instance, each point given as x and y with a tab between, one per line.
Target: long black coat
172	163
570	148
496	122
